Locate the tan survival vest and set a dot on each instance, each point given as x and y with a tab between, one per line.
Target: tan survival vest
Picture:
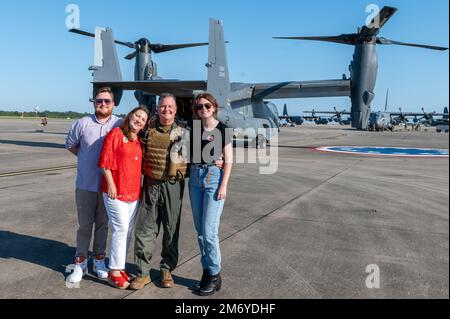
157	162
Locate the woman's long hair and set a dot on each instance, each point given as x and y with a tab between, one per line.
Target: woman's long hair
126	122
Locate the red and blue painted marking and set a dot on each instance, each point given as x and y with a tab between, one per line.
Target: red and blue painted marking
385	151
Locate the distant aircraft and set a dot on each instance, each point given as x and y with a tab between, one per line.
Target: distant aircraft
298	120
442	124
321	121
364	66
428	119
401	118
286	123
382	121
337	117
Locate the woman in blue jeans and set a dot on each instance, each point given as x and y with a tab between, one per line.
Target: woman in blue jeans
210	141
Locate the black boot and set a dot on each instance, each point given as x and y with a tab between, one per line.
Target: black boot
203	280
213	284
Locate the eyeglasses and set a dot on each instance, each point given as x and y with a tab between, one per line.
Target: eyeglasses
100	101
198	107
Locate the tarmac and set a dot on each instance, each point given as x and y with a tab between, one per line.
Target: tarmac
323	226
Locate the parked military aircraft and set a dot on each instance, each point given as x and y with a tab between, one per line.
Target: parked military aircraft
242	105
400	118
297	120
382	121
363	68
321	121
336	117
442	124
286	123
145	68
428	119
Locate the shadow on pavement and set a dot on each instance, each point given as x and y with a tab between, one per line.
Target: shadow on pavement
181	281
40	251
33	144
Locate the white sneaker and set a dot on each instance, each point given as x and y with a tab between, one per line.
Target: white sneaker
100	268
78	273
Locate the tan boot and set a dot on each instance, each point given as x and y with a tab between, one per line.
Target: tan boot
139	282
166	279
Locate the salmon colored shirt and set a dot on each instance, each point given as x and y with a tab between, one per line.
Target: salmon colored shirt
123	158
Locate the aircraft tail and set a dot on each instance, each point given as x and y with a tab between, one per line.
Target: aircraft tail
445	113
387	101
218	76
106	66
285	111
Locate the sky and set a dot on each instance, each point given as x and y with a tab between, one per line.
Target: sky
43	65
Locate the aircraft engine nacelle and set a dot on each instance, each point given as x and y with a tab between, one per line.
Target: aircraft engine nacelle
144	69
363	70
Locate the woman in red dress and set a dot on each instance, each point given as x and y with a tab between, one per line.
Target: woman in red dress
121	161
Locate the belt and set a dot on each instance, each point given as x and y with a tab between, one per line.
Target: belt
203	165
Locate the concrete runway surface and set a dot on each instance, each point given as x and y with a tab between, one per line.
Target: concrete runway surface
311	230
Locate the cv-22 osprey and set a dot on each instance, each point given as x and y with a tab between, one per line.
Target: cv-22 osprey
242	106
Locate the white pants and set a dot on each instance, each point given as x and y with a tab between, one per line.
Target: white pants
122	217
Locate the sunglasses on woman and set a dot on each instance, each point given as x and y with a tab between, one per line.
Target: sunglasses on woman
198	107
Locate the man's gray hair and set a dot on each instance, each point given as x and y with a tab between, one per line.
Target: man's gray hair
166	95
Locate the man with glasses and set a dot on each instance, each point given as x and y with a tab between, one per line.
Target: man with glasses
85	141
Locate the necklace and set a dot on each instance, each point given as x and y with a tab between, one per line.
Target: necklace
126	140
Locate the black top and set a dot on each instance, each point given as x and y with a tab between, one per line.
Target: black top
207	146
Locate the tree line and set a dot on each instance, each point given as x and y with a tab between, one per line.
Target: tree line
48	114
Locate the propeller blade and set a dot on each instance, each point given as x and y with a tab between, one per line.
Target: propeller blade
158	48
131	56
384	41
383	16
343	38
89	34
127	44
78	31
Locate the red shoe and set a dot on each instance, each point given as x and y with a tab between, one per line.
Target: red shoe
118	281
125	275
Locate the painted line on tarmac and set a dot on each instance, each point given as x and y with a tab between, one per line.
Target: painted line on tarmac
410	152
309	289
39	170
